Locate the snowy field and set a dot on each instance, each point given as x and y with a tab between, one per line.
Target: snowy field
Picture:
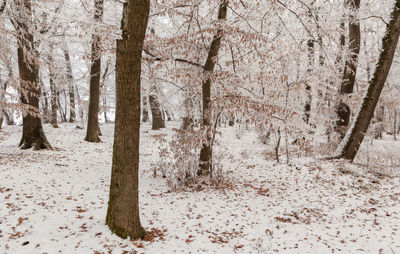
56	201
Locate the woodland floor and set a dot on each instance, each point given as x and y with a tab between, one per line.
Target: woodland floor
56	201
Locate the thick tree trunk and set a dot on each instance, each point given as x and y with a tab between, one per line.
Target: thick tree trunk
157	115
32	134
71	87
92	134
355	135
145	112
206	150
350	69
123	216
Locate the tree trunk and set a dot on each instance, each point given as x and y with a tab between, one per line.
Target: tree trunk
145	114
355	135
123	216
80	109
307	106
92	134
53	91
9	117
70	80
156	112
105	110
350	69
310	55
206	150
32	134
63	113
103	89
45	105
187	123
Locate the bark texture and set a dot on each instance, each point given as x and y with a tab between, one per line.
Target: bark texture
92	134
350	69
123	216
355	135
32	134
206	150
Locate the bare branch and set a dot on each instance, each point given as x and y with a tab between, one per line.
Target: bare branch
377	17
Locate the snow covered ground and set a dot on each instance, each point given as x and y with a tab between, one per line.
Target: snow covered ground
56	201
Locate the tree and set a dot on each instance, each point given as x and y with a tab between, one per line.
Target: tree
155	107
350	68
32	134
206	152
92	134
71	85
145	116
123	205
156	112
53	90
310	56
355	135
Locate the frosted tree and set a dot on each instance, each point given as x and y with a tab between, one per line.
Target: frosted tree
355	135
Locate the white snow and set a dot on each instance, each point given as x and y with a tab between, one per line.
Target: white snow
56	201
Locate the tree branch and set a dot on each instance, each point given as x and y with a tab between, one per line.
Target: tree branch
155	58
